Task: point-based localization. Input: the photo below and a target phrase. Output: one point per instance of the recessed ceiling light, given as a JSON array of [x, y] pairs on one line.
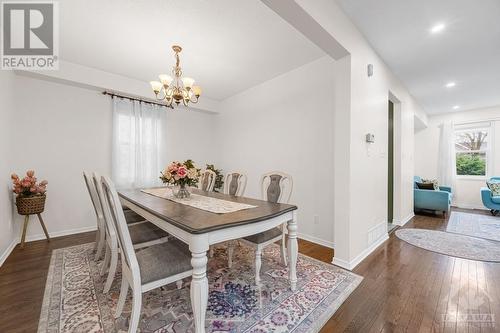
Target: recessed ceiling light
[[456, 107], [450, 84], [437, 28]]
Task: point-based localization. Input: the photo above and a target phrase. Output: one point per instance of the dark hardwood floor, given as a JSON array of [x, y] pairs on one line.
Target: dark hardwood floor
[[404, 288]]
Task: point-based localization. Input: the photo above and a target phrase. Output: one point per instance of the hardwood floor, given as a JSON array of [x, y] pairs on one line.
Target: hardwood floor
[[404, 288]]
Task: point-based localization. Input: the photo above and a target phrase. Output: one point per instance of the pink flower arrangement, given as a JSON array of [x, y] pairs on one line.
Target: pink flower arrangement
[[28, 185], [177, 173]]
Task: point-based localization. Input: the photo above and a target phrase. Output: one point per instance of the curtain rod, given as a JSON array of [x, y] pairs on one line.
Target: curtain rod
[[112, 94]]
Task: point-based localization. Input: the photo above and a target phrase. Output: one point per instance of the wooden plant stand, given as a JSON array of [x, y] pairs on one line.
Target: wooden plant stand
[[30, 206]]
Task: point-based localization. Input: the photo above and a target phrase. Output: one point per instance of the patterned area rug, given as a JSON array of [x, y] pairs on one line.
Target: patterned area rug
[[452, 244], [482, 226], [74, 301]]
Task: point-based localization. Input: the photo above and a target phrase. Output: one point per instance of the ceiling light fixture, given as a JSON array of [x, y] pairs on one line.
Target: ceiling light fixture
[[450, 84], [177, 89], [437, 28], [456, 107]]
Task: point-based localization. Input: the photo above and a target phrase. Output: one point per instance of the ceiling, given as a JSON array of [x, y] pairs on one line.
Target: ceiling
[[466, 51], [228, 46]]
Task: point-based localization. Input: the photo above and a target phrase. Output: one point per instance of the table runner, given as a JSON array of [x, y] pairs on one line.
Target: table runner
[[209, 204]]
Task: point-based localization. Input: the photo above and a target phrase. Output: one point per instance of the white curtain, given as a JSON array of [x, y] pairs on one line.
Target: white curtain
[[446, 160], [137, 132]]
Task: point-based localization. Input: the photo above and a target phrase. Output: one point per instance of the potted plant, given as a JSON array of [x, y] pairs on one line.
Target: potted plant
[[181, 175], [219, 177], [30, 195]]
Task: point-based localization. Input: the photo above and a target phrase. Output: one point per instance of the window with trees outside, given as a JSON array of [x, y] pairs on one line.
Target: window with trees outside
[[471, 148]]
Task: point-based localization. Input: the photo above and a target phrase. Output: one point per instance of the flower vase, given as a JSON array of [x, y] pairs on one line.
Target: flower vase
[[181, 192]]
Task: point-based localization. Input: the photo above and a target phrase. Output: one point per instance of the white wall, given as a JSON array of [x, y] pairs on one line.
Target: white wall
[[64, 130], [286, 124], [367, 207], [6, 116], [467, 193]]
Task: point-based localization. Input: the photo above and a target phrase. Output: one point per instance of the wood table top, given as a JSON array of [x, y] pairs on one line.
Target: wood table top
[[197, 221]]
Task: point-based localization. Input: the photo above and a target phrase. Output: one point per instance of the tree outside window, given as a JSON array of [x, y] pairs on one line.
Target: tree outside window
[[471, 148]]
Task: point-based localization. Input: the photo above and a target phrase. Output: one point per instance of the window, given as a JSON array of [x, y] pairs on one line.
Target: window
[[472, 150], [137, 138]]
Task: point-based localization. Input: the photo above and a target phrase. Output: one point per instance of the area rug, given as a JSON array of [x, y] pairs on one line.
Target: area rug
[[482, 226], [74, 301], [452, 244]]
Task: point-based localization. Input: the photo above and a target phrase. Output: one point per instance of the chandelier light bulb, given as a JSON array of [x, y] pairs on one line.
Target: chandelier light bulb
[[187, 82], [196, 91], [156, 86]]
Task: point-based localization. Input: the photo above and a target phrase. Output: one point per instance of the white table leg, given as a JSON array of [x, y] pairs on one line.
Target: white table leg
[[199, 284], [293, 251]]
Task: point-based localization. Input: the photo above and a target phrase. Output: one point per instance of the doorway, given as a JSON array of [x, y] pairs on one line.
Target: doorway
[[390, 168]]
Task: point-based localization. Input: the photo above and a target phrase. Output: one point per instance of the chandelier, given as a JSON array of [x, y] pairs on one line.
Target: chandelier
[[176, 89]]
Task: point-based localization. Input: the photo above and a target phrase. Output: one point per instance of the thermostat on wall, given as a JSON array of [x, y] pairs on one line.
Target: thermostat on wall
[[370, 138]]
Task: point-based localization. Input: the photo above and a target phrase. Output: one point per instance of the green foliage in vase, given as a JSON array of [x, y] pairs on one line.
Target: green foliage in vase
[[219, 177]]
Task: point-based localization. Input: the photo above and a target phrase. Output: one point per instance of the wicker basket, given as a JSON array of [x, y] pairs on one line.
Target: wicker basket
[[30, 205]]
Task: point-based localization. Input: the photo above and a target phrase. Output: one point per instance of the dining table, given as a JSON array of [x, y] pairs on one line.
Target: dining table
[[200, 229]]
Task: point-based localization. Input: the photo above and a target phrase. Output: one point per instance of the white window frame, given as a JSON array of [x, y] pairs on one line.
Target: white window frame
[[486, 151]]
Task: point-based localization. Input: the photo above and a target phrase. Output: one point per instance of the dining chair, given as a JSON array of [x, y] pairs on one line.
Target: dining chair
[[147, 269], [276, 187], [234, 184], [130, 216], [142, 235], [207, 180]]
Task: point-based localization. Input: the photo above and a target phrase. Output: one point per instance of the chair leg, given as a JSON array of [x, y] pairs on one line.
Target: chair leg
[[136, 311], [112, 270], [179, 284], [258, 264], [100, 245], [283, 250], [211, 251], [123, 297], [105, 263], [230, 251], [97, 237]]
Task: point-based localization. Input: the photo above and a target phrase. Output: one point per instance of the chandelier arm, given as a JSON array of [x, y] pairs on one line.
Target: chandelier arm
[[159, 96]]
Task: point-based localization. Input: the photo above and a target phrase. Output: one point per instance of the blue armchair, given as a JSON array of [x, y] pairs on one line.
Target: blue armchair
[[490, 201], [432, 200]]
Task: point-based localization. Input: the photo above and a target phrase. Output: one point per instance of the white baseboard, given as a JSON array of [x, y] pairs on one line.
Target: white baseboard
[[58, 234], [315, 240], [350, 265], [466, 206], [7, 251], [405, 220]]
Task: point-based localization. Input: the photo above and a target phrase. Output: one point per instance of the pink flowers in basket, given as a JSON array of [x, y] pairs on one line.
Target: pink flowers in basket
[[28, 185], [183, 174]]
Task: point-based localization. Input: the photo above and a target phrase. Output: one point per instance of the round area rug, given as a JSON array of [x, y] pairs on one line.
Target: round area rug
[[454, 245]]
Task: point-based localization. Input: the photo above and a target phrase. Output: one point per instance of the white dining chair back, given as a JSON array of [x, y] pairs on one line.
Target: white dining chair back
[[235, 184], [117, 218], [100, 234], [151, 268], [276, 187], [111, 240], [207, 180]]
